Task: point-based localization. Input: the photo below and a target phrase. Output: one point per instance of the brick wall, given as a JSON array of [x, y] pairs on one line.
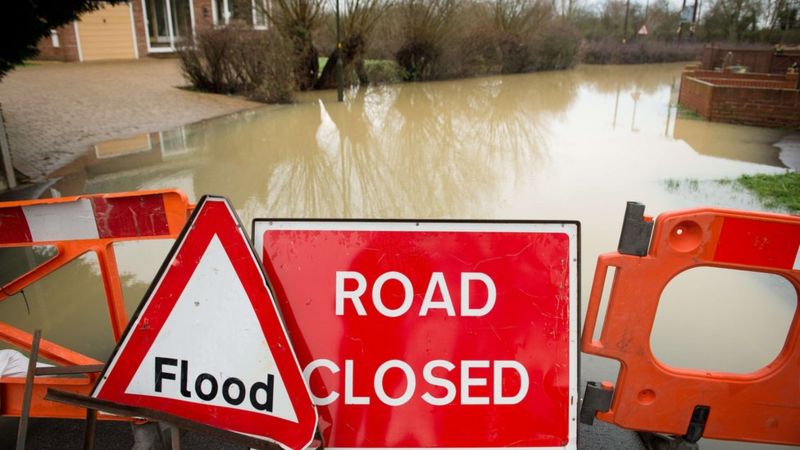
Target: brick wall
[[766, 102], [780, 63], [67, 49], [763, 60], [696, 95], [713, 74], [47, 51], [203, 15], [756, 106], [772, 84]]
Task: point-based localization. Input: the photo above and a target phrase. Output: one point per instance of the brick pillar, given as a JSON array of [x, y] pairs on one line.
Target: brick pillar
[[69, 42], [138, 26]]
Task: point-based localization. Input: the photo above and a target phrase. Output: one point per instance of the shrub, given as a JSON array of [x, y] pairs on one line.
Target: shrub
[[472, 48], [206, 64], [383, 71], [612, 52], [554, 48], [239, 60]]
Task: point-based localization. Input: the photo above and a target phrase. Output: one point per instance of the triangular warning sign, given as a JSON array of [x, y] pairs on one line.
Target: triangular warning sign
[[643, 31], [206, 343]]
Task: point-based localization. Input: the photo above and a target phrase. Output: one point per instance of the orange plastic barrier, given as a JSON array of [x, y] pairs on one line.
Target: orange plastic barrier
[[74, 226], [763, 406]]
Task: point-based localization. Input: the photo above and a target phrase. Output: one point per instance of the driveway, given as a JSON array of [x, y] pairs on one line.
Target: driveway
[[55, 111]]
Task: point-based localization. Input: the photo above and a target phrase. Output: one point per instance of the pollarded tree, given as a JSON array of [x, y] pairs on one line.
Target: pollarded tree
[[424, 25], [24, 22], [297, 20], [358, 22]]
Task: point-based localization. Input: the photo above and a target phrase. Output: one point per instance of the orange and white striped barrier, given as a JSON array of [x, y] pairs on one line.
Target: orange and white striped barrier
[[75, 226]]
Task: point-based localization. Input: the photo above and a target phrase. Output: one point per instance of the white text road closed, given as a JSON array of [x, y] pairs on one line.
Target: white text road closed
[[432, 334], [207, 344]]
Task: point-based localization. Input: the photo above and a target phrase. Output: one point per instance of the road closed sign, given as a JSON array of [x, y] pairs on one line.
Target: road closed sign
[[432, 334], [207, 343]]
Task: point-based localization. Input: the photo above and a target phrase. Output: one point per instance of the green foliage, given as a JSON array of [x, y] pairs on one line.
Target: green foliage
[[775, 191], [24, 22]]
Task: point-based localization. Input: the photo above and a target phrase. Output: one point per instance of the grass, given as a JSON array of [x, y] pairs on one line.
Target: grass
[[781, 191], [673, 184], [686, 113], [370, 62], [378, 70], [775, 191]]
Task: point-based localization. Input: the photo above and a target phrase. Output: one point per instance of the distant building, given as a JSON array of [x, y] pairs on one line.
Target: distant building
[[144, 27]]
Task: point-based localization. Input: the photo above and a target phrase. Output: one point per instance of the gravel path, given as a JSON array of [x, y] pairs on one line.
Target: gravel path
[[55, 111]]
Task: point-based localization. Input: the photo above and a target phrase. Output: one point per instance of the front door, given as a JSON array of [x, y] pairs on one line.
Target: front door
[[169, 23]]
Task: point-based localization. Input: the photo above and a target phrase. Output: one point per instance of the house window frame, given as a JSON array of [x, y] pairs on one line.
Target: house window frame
[[54, 40], [227, 15], [172, 47]]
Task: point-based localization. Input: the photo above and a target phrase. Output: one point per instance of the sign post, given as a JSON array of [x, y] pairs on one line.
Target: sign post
[[432, 334], [207, 344]]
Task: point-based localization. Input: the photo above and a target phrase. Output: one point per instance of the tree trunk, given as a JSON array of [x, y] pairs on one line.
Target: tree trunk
[[327, 79], [307, 59], [352, 60]]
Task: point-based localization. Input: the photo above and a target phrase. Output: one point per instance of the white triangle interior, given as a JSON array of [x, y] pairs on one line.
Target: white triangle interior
[[214, 328]]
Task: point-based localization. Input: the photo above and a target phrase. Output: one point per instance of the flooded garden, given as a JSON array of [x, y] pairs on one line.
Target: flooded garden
[[565, 145]]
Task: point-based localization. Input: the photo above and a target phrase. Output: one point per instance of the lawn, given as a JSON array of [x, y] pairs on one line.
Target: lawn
[[775, 191]]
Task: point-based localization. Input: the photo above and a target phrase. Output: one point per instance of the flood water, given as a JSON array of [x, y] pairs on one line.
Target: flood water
[[562, 145]]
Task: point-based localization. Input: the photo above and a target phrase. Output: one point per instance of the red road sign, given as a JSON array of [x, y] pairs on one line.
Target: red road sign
[[206, 343], [432, 334]]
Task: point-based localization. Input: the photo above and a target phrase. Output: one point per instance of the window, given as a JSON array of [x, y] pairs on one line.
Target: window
[[54, 39], [252, 12], [260, 13]]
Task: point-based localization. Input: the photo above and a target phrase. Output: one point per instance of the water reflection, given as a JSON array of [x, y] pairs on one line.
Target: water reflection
[[727, 141]]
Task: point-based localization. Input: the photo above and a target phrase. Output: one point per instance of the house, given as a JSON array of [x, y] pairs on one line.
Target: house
[[144, 27]]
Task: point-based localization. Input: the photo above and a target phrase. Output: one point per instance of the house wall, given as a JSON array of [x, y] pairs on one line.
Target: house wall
[[66, 51], [138, 25], [203, 15]]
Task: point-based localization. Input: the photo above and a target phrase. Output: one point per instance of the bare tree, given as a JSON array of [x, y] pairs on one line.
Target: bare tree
[[520, 17], [359, 21], [296, 20], [425, 25]]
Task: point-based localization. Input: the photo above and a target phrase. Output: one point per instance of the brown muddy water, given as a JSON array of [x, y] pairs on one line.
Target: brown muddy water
[[573, 145]]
